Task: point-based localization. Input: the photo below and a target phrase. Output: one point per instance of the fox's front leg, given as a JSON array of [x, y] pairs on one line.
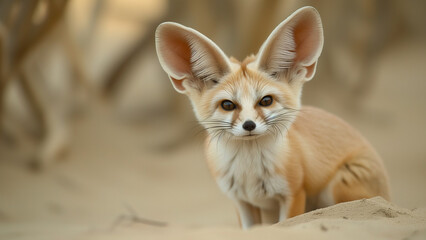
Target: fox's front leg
[[248, 214], [293, 205]]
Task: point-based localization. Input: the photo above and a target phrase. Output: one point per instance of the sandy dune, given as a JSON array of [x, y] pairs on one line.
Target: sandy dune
[[363, 219]]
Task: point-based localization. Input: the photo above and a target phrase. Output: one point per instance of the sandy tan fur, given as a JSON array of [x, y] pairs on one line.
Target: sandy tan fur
[[329, 150], [295, 158], [323, 150]]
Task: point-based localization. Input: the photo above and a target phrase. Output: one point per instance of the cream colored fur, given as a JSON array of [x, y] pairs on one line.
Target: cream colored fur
[[295, 158]]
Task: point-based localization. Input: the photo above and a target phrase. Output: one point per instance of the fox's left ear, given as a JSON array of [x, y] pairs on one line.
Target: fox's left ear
[[293, 48], [189, 58]]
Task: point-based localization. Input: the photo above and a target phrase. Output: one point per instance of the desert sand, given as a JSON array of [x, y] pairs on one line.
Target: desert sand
[[362, 219]]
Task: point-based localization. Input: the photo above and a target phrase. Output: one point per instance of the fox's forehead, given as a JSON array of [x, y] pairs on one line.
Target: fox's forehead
[[245, 85]]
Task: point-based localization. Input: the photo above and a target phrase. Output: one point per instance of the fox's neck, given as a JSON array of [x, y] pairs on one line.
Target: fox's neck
[[266, 148]]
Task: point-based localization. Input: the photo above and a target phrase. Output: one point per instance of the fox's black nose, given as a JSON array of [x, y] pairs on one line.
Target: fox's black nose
[[249, 125]]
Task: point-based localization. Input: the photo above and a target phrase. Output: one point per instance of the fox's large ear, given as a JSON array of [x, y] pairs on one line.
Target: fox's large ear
[[189, 58], [293, 48]]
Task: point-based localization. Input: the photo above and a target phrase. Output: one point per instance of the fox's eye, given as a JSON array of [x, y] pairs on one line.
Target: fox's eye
[[265, 101], [228, 105]]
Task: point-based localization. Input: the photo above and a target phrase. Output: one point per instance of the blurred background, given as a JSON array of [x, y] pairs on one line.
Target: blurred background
[[93, 134]]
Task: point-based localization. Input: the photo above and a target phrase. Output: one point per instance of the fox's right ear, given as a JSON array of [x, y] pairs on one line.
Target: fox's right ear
[[294, 46], [189, 58]]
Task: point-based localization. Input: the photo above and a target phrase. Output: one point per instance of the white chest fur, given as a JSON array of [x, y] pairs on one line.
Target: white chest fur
[[247, 171]]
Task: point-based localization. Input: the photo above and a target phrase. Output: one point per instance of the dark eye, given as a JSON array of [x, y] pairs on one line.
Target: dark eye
[[265, 101], [228, 105]]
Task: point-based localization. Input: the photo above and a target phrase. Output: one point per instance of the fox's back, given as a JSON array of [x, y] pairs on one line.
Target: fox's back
[[324, 131]]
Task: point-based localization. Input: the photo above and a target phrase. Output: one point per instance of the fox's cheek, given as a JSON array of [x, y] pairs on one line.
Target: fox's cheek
[[223, 116], [270, 111]]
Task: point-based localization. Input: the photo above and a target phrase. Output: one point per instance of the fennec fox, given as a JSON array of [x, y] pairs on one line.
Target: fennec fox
[[274, 158]]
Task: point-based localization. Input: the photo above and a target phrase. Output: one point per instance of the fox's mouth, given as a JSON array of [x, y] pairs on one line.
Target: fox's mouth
[[249, 136]]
